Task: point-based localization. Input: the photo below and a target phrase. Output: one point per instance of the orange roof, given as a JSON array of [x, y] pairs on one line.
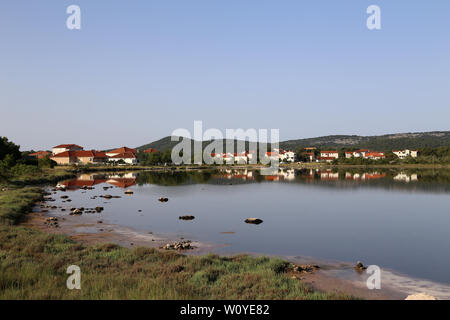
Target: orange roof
[[68, 146], [150, 150], [271, 153], [125, 155], [122, 150], [375, 154], [80, 154], [39, 154], [329, 152]]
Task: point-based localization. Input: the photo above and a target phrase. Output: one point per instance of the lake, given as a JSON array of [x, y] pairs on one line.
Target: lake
[[398, 220]]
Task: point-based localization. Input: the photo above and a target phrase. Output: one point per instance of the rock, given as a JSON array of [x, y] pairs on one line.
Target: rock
[[99, 221], [305, 268], [77, 212], [182, 245], [129, 191], [420, 296], [63, 209], [68, 200], [107, 196], [253, 221], [163, 199], [186, 218], [359, 266], [99, 209], [64, 197]]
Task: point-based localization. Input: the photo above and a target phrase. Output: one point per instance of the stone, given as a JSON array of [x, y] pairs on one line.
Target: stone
[[64, 197], [359, 266], [129, 191], [99, 209], [186, 218], [162, 199], [107, 196], [253, 221]]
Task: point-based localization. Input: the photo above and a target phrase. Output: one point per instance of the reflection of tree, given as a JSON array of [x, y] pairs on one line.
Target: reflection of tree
[[169, 178]]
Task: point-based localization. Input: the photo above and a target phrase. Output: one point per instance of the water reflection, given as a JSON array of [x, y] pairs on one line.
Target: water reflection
[[435, 180]]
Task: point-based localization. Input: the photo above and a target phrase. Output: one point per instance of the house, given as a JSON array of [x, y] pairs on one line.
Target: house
[[356, 154], [150, 150], [66, 147], [272, 156], [228, 158], [240, 158], [39, 154], [121, 150], [79, 157], [288, 155], [310, 155], [126, 157], [402, 154], [329, 154], [375, 155]]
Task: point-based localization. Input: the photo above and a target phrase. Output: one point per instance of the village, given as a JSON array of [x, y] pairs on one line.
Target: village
[[68, 154]]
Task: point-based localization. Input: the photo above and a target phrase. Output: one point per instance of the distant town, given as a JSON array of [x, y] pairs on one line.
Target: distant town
[[68, 154]]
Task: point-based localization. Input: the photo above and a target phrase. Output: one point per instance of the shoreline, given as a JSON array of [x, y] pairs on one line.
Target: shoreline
[[333, 276]]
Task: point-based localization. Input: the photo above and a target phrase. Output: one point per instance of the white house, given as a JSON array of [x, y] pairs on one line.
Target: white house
[[288, 155], [356, 154], [329, 154], [66, 147], [126, 157], [241, 158], [402, 154]]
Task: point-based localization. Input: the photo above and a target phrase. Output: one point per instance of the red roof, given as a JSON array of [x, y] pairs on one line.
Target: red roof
[[271, 153], [329, 152], [68, 146], [39, 154], [123, 150], [80, 154], [125, 155], [375, 154], [150, 150]]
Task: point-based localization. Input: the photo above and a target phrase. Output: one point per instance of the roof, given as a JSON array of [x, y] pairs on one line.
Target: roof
[[122, 150], [375, 154], [125, 155], [39, 154], [80, 154], [150, 150], [329, 151], [68, 146]]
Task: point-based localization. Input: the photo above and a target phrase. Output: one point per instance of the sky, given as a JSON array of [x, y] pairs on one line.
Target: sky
[[138, 70]]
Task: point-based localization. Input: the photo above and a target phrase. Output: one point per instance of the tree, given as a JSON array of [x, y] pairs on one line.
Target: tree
[[9, 148]]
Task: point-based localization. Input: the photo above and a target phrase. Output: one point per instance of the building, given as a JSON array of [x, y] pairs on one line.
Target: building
[[241, 158], [121, 150], [287, 155], [79, 157], [125, 157], [66, 147], [39, 154], [375, 155], [329, 154], [357, 153], [150, 150], [402, 154], [310, 156]]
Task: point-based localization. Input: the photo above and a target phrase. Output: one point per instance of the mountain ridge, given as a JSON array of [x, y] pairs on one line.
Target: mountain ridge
[[410, 140]]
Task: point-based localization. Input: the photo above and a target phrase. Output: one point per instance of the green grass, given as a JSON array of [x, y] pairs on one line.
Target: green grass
[[16, 202], [33, 266]]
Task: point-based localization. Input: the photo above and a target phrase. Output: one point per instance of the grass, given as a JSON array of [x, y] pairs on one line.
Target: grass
[[33, 265]]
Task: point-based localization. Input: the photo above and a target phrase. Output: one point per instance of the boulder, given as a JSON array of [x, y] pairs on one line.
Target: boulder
[[129, 191], [99, 209], [359, 266], [162, 199], [186, 217], [253, 221]]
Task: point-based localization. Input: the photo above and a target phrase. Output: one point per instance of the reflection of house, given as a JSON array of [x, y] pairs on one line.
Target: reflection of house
[[122, 182], [329, 175], [406, 177], [79, 157], [402, 154], [288, 174], [66, 147], [126, 157], [39, 154]]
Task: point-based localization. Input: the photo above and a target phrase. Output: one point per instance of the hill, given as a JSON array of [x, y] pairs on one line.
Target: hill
[[415, 140]]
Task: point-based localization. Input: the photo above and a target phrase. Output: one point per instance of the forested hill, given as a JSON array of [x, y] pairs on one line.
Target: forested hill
[[416, 140], [385, 142]]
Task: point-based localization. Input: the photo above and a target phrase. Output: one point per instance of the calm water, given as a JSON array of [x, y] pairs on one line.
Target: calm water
[[397, 220]]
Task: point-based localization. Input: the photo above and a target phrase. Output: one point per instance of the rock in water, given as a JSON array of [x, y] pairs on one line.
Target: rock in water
[[186, 218], [253, 221], [163, 199], [129, 191], [359, 266]]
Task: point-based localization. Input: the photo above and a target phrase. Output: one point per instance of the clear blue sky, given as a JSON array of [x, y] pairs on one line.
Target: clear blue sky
[[137, 70]]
